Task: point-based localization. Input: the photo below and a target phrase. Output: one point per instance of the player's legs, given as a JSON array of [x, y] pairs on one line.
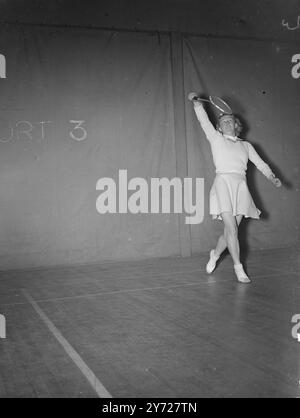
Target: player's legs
[[221, 246], [231, 237], [222, 243]]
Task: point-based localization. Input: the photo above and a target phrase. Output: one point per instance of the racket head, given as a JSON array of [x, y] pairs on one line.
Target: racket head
[[221, 105]]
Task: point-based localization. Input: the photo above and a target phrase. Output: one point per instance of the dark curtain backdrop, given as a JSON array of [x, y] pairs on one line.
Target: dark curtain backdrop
[[121, 85]]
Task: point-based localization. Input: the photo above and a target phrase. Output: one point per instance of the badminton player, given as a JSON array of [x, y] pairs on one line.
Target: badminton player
[[230, 199]]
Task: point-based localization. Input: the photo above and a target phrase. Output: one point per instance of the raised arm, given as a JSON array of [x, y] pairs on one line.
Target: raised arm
[[205, 123], [261, 165]]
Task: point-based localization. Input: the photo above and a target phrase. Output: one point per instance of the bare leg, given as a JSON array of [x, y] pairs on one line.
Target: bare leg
[[222, 243], [231, 236], [229, 239]]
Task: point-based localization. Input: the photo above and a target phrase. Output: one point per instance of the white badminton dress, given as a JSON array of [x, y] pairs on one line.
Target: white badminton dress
[[229, 192]]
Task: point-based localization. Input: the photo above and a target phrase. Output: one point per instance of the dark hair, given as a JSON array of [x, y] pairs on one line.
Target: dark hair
[[237, 123]]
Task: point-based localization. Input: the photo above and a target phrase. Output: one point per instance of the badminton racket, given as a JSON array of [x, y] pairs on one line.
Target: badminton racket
[[216, 101]]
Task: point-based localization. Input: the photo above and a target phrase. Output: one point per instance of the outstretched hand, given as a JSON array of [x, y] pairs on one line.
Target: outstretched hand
[[275, 181], [192, 96]]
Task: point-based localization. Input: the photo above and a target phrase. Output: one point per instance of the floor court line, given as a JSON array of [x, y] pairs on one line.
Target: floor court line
[[198, 270], [89, 295], [139, 276], [282, 270], [79, 362]]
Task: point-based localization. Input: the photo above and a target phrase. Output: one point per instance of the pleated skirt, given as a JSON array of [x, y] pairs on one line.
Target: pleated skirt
[[230, 193]]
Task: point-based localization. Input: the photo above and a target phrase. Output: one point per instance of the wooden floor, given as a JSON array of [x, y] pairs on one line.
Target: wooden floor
[[156, 328]]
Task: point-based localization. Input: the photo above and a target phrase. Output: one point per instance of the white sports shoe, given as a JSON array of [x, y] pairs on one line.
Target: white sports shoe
[[211, 265], [240, 274]]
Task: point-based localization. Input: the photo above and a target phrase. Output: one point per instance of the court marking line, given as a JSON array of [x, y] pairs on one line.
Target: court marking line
[[226, 268], [282, 270], [90, 275], [89, 295], [72, 353]]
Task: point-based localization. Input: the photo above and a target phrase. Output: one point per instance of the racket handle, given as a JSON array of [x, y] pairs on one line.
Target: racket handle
[[192, 96]]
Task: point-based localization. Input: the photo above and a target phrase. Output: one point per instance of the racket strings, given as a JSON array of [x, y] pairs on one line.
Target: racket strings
[[220, 104]]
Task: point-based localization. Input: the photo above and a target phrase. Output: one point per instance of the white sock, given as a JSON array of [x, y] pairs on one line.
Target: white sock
[[240, 273]]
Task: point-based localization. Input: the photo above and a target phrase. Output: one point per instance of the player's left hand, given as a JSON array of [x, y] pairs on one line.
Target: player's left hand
[[277, 182]]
